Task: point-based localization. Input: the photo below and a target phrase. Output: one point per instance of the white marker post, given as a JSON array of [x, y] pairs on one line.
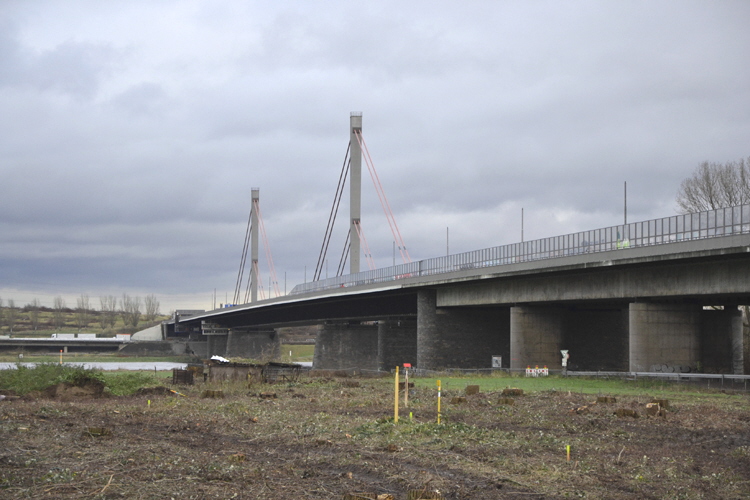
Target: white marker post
[[565, 357], [406, 384]]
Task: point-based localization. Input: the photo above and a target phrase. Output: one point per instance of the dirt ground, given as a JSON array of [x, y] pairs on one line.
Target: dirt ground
[[324, 438]]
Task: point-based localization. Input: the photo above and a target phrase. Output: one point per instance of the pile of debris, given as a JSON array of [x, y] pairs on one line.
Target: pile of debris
[[221, 369]]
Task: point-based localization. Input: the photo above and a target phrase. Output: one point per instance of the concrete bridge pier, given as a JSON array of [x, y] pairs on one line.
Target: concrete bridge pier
[[536, 337], [216, 345], [664, 337], [397, 343], [341, 346], [459, 337], [261, 345]]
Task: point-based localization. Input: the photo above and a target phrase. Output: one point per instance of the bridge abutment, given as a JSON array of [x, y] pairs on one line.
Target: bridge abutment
[[397, 343], [462, 337], [341, 346]]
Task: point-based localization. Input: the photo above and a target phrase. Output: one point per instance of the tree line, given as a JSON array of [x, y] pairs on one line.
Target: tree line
[[130, 309]]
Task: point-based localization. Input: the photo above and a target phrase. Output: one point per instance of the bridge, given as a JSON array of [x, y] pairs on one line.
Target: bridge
[[653, 295], [657, 295]]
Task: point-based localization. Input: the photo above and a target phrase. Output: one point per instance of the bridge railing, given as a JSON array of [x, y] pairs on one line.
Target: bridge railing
[[710, 224]]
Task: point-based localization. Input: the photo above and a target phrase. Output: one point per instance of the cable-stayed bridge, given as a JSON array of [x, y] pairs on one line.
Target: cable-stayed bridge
[[657, 295]]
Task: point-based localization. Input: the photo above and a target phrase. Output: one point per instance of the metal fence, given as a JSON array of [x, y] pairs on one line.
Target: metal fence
[[701, 225]]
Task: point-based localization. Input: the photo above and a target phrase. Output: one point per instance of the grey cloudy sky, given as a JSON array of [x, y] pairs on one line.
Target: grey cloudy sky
[[132, 132]]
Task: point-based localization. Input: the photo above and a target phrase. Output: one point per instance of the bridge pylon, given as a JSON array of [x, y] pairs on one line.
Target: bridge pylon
[[355, 189], [255, 193]]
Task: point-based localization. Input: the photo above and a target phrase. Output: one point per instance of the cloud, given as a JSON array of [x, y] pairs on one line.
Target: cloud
[[131, 133], [71, 68], [145, 98]]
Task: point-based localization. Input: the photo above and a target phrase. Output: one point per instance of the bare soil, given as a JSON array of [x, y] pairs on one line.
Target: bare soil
[[324, 438]]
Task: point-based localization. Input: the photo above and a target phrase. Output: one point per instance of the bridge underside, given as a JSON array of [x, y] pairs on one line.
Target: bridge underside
[[660, 314], [637, 336]]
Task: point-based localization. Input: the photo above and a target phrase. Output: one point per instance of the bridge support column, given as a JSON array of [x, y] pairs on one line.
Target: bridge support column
[[465, 337], [198, 349], [341, 346], [397, 343], [536, 336], [664, 337], [261, 345], [721, 341], [217, 345]]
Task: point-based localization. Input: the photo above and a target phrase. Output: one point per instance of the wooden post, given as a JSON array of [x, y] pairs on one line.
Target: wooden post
[[438, 413], [406, 384]]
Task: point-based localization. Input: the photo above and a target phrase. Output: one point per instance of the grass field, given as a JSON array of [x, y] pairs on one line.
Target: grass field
[[581, 385], [298, 352]]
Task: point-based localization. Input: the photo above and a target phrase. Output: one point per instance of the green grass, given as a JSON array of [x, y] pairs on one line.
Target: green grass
[[23, 379], [126, 383], [583, 385], [299, 352]]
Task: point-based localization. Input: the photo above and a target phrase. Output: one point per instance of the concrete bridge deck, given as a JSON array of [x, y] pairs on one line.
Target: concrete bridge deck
[[526, 312]]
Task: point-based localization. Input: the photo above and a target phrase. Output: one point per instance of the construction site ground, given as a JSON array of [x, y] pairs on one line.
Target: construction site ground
[[328, 437]]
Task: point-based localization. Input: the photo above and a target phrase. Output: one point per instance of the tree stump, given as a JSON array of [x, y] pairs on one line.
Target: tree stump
[[472, 389]]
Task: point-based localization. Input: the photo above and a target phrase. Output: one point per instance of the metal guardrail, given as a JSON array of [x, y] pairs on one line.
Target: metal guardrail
[[670, 376], [701, 225]]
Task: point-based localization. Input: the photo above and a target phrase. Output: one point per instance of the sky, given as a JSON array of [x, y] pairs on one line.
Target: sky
[[132, 133]]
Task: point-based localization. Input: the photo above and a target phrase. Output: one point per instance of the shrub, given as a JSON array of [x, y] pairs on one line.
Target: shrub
[[24, 379]]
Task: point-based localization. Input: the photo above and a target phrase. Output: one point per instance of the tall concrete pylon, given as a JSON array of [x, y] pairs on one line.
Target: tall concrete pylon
[[255, 194], [355, 189]]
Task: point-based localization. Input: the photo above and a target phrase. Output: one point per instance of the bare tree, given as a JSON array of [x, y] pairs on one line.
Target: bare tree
[[108, 316], [34, 313], [152, 308], [124, 305], [58, 312], [83, 312], [11, 315], [135, 312], [131, 310], [715, 185], [719, 185]]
